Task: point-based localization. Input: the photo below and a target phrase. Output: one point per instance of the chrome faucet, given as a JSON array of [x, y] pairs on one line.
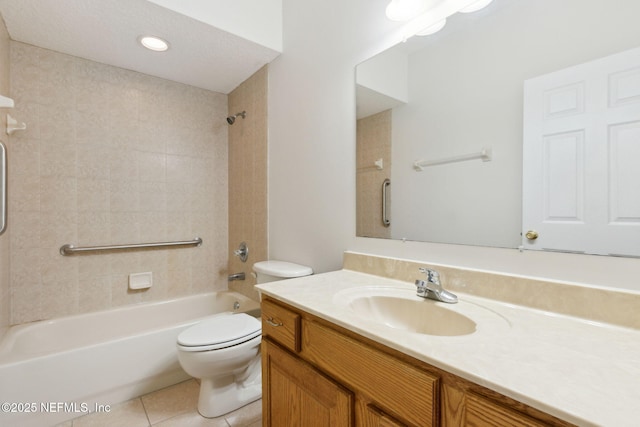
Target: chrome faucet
[[236, 276], [432, 289]]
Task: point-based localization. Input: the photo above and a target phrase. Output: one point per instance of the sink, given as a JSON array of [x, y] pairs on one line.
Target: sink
[[401, 309]]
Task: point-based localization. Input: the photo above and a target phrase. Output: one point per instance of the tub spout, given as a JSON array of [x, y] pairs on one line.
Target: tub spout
[[236, 276]]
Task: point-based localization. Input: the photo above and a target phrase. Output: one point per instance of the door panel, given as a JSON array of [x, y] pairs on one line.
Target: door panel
[[581, 180]]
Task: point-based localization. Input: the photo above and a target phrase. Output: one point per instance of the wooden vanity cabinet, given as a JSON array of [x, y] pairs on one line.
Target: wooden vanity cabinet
[[296, 394], [316, 373]]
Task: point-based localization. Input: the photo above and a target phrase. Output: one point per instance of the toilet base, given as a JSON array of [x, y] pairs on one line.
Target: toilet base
[[219, 396]]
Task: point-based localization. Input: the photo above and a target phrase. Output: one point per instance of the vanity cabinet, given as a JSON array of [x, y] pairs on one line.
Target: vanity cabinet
[[317, 373]]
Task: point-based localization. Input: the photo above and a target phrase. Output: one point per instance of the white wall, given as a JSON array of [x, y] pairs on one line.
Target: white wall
[[312, 154], [387, 73], [312, 127], [256, 20]]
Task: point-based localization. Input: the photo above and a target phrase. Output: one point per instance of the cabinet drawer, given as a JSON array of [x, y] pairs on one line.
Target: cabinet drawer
[[482, 412], [398, 388], [281, 324]]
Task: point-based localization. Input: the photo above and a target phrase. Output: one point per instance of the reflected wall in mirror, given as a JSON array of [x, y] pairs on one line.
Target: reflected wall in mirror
[[459, 91]]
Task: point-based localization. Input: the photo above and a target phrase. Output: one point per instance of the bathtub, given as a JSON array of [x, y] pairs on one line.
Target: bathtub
[[55, 370]]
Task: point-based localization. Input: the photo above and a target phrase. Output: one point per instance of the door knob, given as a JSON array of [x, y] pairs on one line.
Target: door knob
[[531, 235]]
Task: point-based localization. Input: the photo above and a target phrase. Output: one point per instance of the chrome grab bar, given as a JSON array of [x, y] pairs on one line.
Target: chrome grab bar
[[386, 184], [3, 188], [70, 249]]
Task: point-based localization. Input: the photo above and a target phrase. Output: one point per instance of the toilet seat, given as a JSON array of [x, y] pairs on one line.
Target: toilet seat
[[219, 332]]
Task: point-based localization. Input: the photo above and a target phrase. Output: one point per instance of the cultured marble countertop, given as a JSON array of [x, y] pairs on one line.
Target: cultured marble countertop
[[583, 372]]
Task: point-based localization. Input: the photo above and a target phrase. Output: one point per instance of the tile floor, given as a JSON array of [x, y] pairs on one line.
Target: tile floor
[[173, 406]]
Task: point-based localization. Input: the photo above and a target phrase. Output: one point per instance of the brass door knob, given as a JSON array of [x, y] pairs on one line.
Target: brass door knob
[[531, 235]]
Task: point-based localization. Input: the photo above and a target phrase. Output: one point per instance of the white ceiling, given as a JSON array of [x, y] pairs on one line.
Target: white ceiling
[[106, 31]]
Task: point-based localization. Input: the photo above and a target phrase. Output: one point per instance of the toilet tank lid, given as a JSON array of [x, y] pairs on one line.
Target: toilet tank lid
[[282, 269]]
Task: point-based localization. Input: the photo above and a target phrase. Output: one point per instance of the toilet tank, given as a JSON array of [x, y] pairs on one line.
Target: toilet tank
[[269, 271]]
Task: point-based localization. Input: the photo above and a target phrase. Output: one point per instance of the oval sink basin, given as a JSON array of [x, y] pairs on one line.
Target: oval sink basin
[[415, 315]]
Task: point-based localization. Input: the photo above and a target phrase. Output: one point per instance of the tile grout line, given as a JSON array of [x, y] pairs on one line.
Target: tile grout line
[[146, 413]]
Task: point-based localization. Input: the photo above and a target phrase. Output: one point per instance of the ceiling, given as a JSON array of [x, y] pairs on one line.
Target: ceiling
[[106, 31]]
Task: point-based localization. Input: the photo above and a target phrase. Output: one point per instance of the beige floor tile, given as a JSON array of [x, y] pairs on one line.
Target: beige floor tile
[[171, 401], [256, 424], [246, 415], [192, 419], [130, 414]]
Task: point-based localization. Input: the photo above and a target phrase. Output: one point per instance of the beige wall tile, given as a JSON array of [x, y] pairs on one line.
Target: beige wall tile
[[248, 178], [373, 142], [109, 156]]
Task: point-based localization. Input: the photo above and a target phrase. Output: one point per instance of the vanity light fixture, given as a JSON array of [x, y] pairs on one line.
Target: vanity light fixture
[[154, 43], [474, 7], [433, 14], [404, 10], [432, 29]]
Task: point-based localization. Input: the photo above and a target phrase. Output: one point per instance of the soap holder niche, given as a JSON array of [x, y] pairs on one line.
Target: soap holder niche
[[14, 125]]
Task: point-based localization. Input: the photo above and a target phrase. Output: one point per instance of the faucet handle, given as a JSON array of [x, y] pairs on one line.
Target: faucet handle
[[431, 287], [432, 275]]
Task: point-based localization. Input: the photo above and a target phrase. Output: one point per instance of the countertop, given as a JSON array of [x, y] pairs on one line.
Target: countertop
[[583, 372]]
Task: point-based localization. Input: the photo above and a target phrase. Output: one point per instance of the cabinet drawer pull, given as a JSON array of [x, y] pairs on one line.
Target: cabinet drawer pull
[[273, 323]]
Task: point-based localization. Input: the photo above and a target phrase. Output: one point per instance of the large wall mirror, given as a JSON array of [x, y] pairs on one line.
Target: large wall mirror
[[456, 100]]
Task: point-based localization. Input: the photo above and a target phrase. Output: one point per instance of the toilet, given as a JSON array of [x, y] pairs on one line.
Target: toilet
[[223, 350]]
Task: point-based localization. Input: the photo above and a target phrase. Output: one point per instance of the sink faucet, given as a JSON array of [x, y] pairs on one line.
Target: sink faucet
[[431, 288]]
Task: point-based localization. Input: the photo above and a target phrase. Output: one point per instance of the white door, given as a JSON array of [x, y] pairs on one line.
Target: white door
[[581, 167]]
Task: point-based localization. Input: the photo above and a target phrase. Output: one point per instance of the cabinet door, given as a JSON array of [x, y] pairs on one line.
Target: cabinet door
[[295, 394], [396, 387], [374, 417]]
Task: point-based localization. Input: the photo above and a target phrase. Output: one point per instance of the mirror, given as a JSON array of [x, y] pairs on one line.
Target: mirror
[[459, 92]]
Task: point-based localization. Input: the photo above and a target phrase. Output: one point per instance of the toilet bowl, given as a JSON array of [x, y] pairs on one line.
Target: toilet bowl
[[223, 351]]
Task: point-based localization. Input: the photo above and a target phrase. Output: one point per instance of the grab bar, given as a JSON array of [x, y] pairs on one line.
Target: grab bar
[[3, 188], [70, 249], [386, 184]]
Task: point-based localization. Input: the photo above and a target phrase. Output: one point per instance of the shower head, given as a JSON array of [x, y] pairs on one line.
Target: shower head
[[231, 119]]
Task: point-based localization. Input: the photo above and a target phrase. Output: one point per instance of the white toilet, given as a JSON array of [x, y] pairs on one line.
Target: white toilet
[[224, 350]]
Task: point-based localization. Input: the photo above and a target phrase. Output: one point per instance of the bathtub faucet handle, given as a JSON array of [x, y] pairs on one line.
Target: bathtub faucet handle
[[242, 252]]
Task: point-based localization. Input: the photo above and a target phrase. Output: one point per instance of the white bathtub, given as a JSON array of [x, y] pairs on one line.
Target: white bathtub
[[59, 369]]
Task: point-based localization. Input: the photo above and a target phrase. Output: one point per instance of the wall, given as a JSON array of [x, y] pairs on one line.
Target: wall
[[4, 238], [312, 127], [312, 154], [248, 178], [111, 156]]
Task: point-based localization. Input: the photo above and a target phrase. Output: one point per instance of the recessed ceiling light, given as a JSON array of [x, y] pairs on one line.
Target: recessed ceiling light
[[153, 43]]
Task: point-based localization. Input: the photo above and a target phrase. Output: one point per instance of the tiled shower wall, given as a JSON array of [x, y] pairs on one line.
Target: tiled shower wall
[[111, 156], [4, 238], [373, 142], [248, 177]]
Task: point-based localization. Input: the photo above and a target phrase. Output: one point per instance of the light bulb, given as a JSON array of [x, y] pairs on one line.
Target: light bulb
[[153, 43], [431, 29], [475, 6], [404, 10]]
